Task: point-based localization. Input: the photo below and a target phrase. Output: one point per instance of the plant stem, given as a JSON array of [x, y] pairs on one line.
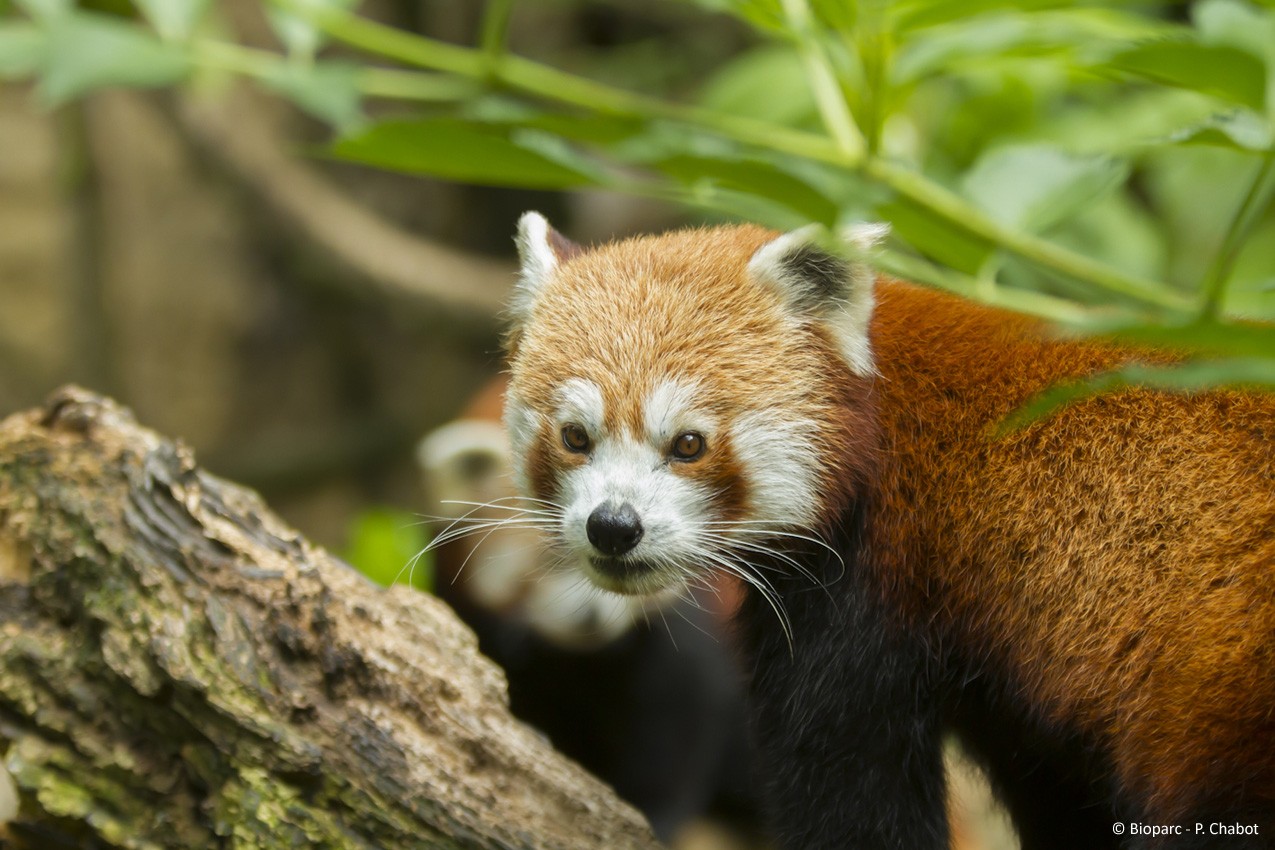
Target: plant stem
[[946, 204], [873, 43], [410, 85], [541, 80], [372, 82], [823, 82], [1026, 301], [495, 33], [1236, 234]]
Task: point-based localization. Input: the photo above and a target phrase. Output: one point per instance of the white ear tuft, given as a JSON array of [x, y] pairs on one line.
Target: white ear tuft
[[540, 250], [865, 235], [536, 258], [818, 283], [534, 251]]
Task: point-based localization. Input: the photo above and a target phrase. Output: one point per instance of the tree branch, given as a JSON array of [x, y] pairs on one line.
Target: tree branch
[[179, 669]]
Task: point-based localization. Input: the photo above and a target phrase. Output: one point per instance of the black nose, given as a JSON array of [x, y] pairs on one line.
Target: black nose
[[614, 531]]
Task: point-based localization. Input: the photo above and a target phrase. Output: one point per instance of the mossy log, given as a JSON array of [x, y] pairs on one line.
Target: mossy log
[[180, 669]]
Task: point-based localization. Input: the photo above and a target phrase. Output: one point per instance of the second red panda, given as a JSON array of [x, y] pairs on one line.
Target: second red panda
[[1089, 603]]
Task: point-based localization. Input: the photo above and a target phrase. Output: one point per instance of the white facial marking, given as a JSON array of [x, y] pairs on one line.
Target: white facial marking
[[580, 403], [671, 410], [623, 470], [781, 462]]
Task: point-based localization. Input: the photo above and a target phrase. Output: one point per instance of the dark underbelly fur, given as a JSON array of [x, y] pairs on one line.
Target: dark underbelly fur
[[848, 724]]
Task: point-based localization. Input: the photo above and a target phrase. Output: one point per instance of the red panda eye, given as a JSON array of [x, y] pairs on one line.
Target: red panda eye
[[688, 446], [575, 438]]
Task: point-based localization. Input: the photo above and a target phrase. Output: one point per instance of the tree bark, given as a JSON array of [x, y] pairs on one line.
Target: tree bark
[[180, 669]]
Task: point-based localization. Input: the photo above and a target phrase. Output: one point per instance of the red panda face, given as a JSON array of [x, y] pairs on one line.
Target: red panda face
[[679, 402]]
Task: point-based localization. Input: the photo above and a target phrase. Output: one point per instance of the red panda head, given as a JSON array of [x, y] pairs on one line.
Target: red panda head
[[679, 402]]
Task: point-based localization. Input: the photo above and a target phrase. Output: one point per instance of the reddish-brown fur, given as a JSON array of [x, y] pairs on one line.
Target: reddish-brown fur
[[1116, 560]]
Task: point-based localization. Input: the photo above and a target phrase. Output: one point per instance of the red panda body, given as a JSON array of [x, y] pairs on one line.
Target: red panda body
[[1112, 567], [1089, 603]]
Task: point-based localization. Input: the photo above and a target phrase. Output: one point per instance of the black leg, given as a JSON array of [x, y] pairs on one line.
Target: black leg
[[845, 722]]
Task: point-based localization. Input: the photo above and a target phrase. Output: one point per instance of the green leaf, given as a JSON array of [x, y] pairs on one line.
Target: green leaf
[[765, 15], [88, 51], [717, 202], [1213, 338], [837, 15], [919, 14], [591, 128], [1064, 35], [301, 39], [767, 83], [1240, 130], [46, 9], [327, 90], [1219, 70], [1238, 24], [936, 237], [708, 165], [388, 547], [750, 176], [174, 20], [1033, 187], [1194, 376], [453, 149], [22, 48]]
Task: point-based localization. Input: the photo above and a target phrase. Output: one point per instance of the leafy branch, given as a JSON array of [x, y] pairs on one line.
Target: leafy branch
[[1017, 222]]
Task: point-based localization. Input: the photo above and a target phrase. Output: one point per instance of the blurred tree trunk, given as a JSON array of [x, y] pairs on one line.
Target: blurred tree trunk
[[179, 669]]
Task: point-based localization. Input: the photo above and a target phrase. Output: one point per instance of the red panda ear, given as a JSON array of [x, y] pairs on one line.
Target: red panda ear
[[540, 250], [809, 270]]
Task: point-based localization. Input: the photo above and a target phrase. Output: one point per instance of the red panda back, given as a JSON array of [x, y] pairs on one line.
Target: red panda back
[[1115, 561]]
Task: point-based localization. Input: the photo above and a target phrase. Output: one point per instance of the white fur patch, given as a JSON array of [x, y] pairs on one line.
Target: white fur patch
[[767, 263], [623, 470], [866, 235], [781, 463], [852, 324], [442, 454], [670, 409], [537, 258], [580, 402]]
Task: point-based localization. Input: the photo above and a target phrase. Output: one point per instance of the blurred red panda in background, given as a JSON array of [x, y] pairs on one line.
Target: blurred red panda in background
[[643, 693]]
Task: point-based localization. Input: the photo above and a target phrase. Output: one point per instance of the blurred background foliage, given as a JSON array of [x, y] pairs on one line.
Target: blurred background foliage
[[1108, 166], [281, 229]]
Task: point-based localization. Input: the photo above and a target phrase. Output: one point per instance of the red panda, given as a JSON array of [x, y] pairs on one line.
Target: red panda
[[1089, 603], [642, 692]]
